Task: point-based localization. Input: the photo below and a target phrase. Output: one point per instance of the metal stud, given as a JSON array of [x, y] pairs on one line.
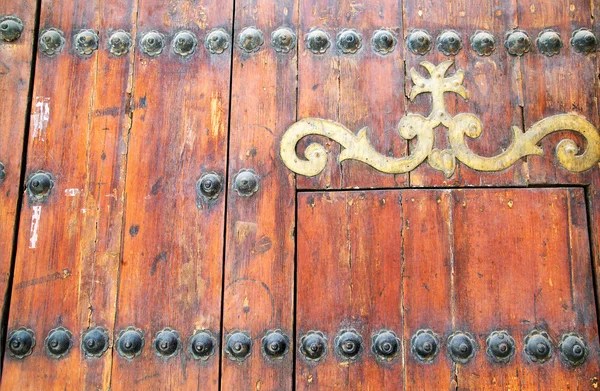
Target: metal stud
[[52, 41], [217, 41], [584, 41], [348, 41], [58, 342], [119, 43], [250, 39], [549, 43], [167, 343], [11, 28], [86, 42], [95, 342], [21, 342], [348, 345], [538, 346], [313, 346], [39, 186], [425, 345], [449, 43], [383, 41], [283, 40], [517, 43], [153, 43], [130, 342], [573, 349], [185, 43], [2, 173], [419, 42], [238, 346], [483, 42], [500, 346], [209, 186], [202, 345], [275, 345], [317, 41], [245, 182], [385, 345], [461, 347]]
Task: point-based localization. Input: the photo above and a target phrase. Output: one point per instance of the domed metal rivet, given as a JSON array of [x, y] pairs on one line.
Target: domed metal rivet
[[461, 347], [383, 41], [217, 41], [385, 345], [167, 343], [573, 349], [152, 43], [2, 173], [275, 345], [52, 41], [11, 28], [20, 342], [250, 39], [119, 43], [483, 43], [500, 346], [202, 345], [517, 43], [348, 345], [584, 41], [538, 346], [238, 346], [419, 42], [245, 182], [425, 345], [130, 342], [185, 43], [86, 41], [283, 40], [39, 185], [348, 41], [449, 43], [317, 41], [209, 186], [95, 342], [313, 346], [58, 342], [549, 42]]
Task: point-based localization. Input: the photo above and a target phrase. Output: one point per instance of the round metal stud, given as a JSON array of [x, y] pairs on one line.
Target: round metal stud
[[449, 43], [209, 186], [483, 43], [419, 42], [167, 343], [549, 42], [385, 345], [425, 345], [153, 43], [21, 342], [245, 182], [130, 342], [251, 39], [313, 346], [39, 185], [348, 41], [95, 342], [283, 40], [461, 347], [275, 345], [573, 349], [119, 43], [500, 346], [2, 173], [11, 28], [584, 41], [202, 345], [185, 43], [383, 41], [517, 43], [86, 41], [538, 346], [348, 345], [217, 41], [317, 41], [52, 41], [58, 342], [238, 346]]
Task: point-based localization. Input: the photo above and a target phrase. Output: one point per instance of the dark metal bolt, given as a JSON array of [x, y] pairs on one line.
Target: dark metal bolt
[[549, 43], [538, 346], [238, 346], [59, 342], [383, 41], [86, 42], [317, 41], [313, 346], [348, 344], [217, 41], [52, 42], [2, 173], [130, 342], [425, 345], [209, 186], [419, 42], [185, 43], [246, 182], [483, 43], [283, 40], [461, 347], [584, 41], [251, 39], [202, 345], [21, 342], [11, 28], [517, 43], [349, 41], [39, 185], [152, 43], [573, 349], [449, 43], [120, 43], [167, 343], [275, 344]]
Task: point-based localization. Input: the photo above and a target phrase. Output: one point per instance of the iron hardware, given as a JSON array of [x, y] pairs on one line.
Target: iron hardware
[[246, 182], [483, 42], [573, 349], [317, 41], [202, 345], [119, 43], [130, 342], [425, 345], [153, 43], [238, 346], [58, 342], [419, 42], [209, 186], [21, 342], [348, 345], [461, 347], [313, 346], [11, 28], [538, 346], [449, 43], [185, 43], [584, 41], [517, 43], [385, 345], [2, 173], [39, 186], [549, 42], [500, 346], [217, 41], [383, 41], [283, 40], [95, 342], [275, 345], [86, 42], [52, 41], [251, 39], [348, 41], [167, 343]]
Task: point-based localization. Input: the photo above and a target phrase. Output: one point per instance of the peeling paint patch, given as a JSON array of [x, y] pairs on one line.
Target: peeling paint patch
[[72, 192], [40, 118], [35, 224]]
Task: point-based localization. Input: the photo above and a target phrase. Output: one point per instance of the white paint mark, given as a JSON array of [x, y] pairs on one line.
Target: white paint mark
[[35, 224], [83, 211], [72, 192], [40, 117]]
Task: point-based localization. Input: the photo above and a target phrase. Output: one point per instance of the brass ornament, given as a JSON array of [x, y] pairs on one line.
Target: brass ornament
[[463, 125]]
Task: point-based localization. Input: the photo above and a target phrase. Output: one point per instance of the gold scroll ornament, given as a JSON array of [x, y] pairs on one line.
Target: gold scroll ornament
[[358, 147]]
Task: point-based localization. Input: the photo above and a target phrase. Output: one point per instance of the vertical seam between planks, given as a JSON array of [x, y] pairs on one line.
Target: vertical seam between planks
[[593, 243], [402, 293], [295, 227]]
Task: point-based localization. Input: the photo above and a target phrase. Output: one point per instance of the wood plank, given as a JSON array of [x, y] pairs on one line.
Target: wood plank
[[259, 261], [171, 270]]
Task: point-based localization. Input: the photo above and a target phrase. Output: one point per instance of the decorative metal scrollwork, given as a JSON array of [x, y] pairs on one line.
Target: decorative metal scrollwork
[[411, 126]]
